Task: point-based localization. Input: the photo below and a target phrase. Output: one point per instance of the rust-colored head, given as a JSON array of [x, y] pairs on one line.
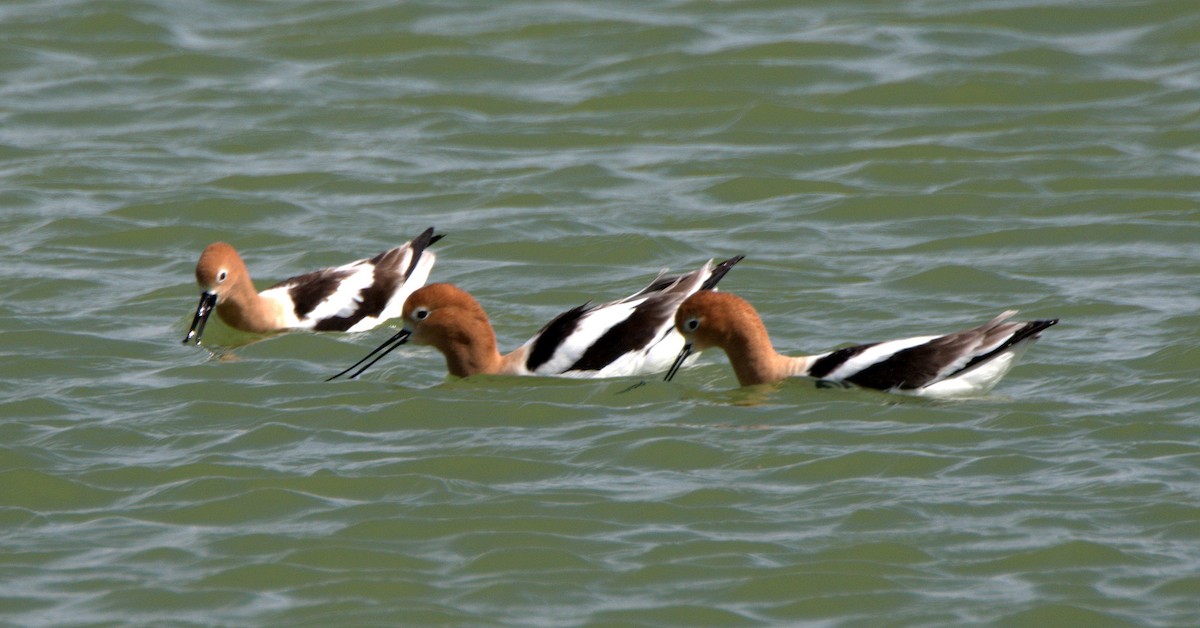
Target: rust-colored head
[[717, 319], [219, 268], [448, 318], [724, 320], [218, 273]]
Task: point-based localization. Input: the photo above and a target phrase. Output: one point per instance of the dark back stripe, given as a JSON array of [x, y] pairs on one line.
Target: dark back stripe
[[338, 323], [553, 335], [907, 369], [632, 334], [309, 290], [641, 328], [374, 298], [920, 366], [830, 363]]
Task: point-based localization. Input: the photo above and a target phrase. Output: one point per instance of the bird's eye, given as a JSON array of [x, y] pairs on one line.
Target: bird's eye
[[221, 276], [420, 313], [692, 324]]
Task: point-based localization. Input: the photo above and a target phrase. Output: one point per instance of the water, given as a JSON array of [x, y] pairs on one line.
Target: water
[[888, 168]]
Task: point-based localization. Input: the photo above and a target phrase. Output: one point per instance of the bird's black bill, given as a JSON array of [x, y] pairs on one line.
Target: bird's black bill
[[400, 338], [208, 301], [683, 355]]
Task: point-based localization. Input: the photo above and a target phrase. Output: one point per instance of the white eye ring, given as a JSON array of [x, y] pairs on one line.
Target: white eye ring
[[692, 324], [221, 276], [420, 314]]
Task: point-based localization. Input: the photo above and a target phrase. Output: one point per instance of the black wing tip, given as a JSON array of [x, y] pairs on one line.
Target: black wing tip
[[1033, 328], [426, 238], [718, 273], [1030, 331], [419, 244]]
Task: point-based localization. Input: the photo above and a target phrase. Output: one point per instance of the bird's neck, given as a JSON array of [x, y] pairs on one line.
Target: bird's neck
[[243, 308], [755, 360]]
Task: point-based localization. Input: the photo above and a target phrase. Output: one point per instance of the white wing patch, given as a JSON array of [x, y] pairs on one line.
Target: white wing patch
[[395, 305], [588, 329], [341, 302], [875, 355], [656, 355], [347, 298]]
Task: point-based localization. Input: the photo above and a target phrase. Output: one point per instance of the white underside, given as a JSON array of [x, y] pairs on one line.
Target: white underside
[[975, 382]]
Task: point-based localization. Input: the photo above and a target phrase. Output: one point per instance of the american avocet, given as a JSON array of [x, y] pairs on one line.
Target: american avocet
[[961, 363], [353, 297], [627, 337]]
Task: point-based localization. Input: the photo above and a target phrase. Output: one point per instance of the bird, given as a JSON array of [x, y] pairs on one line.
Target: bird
[[968, 362], [353, 297], [631, 336]]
